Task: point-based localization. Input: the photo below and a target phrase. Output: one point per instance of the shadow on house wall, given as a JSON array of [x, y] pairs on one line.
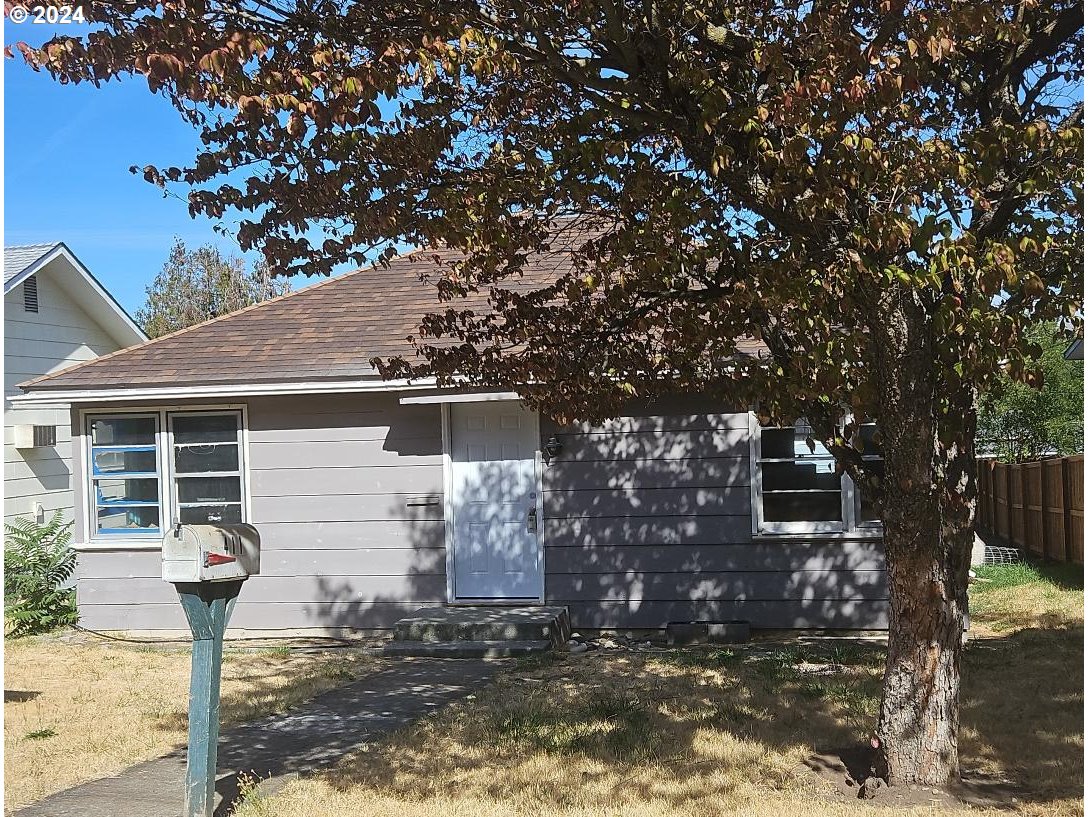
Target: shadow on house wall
[[647, 521]]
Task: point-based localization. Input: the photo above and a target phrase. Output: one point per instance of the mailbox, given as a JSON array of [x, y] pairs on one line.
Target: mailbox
[[207, 565], [211, 553]]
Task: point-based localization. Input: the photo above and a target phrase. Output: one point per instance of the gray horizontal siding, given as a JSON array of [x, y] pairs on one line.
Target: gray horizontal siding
[[697, 560], [408, 587], [118, 564], [707, 472], [40, 468], [346, 454], [353, 534], [355, 426], [653, 445], [760, 585], [131, 592], [346, 491], [285, 482], [167, 615], [677, 412], [663, 529], [648, 521], [324, 615], [733, 500], [376, 562], [346, 508], [656, 423]]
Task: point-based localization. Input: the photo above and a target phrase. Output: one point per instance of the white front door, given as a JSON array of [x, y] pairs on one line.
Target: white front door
[[493, 497]]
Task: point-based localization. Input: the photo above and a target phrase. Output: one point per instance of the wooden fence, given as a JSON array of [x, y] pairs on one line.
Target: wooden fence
[[1038, 506]]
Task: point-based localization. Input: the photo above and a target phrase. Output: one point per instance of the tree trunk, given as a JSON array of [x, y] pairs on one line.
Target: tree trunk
[[928, 514], [920, 702]]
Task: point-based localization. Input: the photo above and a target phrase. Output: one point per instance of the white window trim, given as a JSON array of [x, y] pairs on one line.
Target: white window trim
[[850, 499], [873, 525], [89, 499], [164, 460], [175, 502]]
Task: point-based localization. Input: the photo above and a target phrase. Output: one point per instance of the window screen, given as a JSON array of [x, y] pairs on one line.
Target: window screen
[[125, 475], [207, 460], [799, 483]]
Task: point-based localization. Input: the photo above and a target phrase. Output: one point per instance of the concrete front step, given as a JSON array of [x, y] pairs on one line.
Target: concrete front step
[[485, 624], [464, 649]]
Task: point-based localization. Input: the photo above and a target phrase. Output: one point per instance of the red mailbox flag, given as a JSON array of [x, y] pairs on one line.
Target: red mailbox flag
[[212, 559]]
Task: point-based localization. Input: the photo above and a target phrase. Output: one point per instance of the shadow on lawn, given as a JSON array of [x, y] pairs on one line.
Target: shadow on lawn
[[1022, 709], [20, 696], [1064, 576], [682, 726], [267, 693]]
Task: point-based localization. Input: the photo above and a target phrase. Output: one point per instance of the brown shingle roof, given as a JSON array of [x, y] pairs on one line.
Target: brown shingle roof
[[328, 331]]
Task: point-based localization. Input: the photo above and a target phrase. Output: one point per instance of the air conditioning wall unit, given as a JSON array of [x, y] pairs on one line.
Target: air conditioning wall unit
[[31, 436]]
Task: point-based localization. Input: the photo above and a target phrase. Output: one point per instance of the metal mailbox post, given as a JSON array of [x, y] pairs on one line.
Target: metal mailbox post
[[207, 564]]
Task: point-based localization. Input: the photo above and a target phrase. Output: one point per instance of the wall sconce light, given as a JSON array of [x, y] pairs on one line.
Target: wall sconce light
[[553, 447]]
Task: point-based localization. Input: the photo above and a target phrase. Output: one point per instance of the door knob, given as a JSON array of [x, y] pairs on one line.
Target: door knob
[[531, 520]]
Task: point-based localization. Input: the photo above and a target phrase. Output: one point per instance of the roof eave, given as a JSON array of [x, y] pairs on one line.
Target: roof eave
[[45, 398]]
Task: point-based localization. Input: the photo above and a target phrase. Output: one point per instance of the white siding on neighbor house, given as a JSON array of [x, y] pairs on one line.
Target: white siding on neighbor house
[[59, 335]]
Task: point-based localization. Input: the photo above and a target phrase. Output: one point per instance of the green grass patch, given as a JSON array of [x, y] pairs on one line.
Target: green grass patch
[[606, 724], [1026, 594], [1063, 576], [700, 658]]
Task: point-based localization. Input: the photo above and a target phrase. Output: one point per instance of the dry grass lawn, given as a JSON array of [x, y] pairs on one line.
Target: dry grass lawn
[[76, 712], [697, 732], [1017, 597], [722, 732]]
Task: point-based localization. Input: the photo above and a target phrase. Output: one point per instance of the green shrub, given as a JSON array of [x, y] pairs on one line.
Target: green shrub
[[37, 565]]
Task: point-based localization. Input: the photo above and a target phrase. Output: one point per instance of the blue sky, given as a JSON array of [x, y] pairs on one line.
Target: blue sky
[[67, 151]]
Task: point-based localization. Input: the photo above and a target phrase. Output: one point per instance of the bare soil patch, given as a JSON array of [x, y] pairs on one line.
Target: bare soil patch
[[845, 771]]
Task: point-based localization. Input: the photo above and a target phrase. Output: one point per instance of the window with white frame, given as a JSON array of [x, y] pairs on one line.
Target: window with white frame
[[148, 470], [796, 488], [866, 515], [126, 496], [207, 467]]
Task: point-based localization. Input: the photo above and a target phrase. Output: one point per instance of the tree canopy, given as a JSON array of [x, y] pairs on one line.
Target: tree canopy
[[886, 193], [771, 168], [1018, 422], [197, 285]]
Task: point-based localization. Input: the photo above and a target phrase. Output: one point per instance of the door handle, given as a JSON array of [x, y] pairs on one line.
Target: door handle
[[531, 520]]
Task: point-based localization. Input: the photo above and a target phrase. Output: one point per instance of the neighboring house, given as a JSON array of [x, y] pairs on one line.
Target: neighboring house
[[55, 315], [374, 498]]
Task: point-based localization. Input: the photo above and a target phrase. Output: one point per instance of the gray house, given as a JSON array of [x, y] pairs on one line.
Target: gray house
[[375, 497]]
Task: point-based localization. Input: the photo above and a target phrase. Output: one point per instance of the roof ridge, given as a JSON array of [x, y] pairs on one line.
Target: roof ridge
[[332, 279]]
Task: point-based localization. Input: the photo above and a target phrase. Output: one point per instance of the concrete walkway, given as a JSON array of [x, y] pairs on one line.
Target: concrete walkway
[[311, 737]]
